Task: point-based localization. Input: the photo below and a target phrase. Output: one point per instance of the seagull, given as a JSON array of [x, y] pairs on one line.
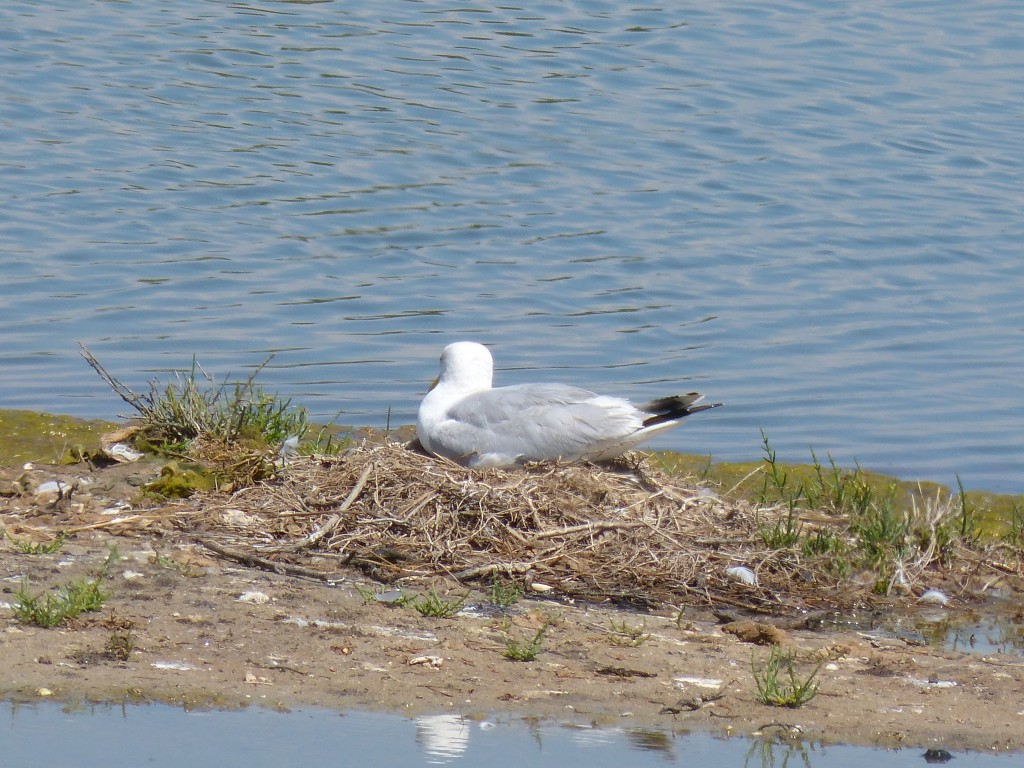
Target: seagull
[[465, 419]]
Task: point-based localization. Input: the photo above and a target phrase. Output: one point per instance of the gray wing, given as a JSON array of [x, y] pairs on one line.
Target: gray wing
[[532, 422]]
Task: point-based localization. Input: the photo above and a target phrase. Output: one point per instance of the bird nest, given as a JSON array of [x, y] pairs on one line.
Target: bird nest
[[626, 532]]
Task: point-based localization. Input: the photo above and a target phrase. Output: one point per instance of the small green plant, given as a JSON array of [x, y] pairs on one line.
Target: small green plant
[[433, 605], [793, 692], [880, 533], [41, 610], [1015, 534], [162, 560], [404, 599], [680, 615], [784, 534], [827, 489], [824, 541], [398, 598], [83, 596], [504, 593], [516, 650], [832, 489], [969, 529], [327, 442], [119, 645], [776, 479], [368, 595], [53, 609], [113, 555], [39, 547], [626, 636], [836, 490], [831, 551], [193, 405]]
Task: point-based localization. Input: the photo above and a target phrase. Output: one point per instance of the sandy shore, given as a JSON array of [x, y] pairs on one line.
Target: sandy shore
[[208, 632]]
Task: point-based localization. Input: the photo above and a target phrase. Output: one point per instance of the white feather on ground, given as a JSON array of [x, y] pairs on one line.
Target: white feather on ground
[[465, 419]]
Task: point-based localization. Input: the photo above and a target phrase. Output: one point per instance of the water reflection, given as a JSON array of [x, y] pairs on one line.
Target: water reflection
[[443, 738], [58, 736], [778, 752]]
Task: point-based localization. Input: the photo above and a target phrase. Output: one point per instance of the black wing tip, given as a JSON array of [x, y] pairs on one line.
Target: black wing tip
[[675, 407], [699, 408]]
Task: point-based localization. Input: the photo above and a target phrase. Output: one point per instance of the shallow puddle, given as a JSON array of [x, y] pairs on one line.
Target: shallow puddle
[[998, 628], [982, 634], [155, 735]]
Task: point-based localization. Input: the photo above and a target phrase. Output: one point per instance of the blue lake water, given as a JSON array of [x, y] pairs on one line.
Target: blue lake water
[[808, 210], [159, 735]]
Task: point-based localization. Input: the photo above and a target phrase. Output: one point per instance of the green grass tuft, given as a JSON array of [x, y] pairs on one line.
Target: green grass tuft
[[525, 650], [626, 636], [504, 593], [26, 547], [879, 525], [193, 405], [791, 692], [433, 605], [51, 609], [1014, 533]]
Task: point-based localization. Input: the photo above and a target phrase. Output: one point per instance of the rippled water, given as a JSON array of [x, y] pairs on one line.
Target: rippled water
[[161, 735], [811, 211]]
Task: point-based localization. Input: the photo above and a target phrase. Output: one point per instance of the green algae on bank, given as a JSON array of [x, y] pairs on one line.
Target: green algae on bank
[[996, 515], [32, 436], [176, 482]]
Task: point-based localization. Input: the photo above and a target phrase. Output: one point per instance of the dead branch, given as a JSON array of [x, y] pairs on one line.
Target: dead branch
[[137, 402]]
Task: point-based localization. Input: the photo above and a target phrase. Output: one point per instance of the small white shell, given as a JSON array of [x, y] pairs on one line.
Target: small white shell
[[289, 450], [742, 574], [431, 661], [52, 488], [935, 597], [181, 666], [933, 683], [699, 682], [122, 452], [256, 598]]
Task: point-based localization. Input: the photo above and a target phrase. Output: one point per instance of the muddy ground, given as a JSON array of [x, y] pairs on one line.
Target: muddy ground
[[206, 631]]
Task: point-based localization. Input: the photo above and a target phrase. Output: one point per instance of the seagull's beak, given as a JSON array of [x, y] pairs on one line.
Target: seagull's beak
[[433, 384]]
